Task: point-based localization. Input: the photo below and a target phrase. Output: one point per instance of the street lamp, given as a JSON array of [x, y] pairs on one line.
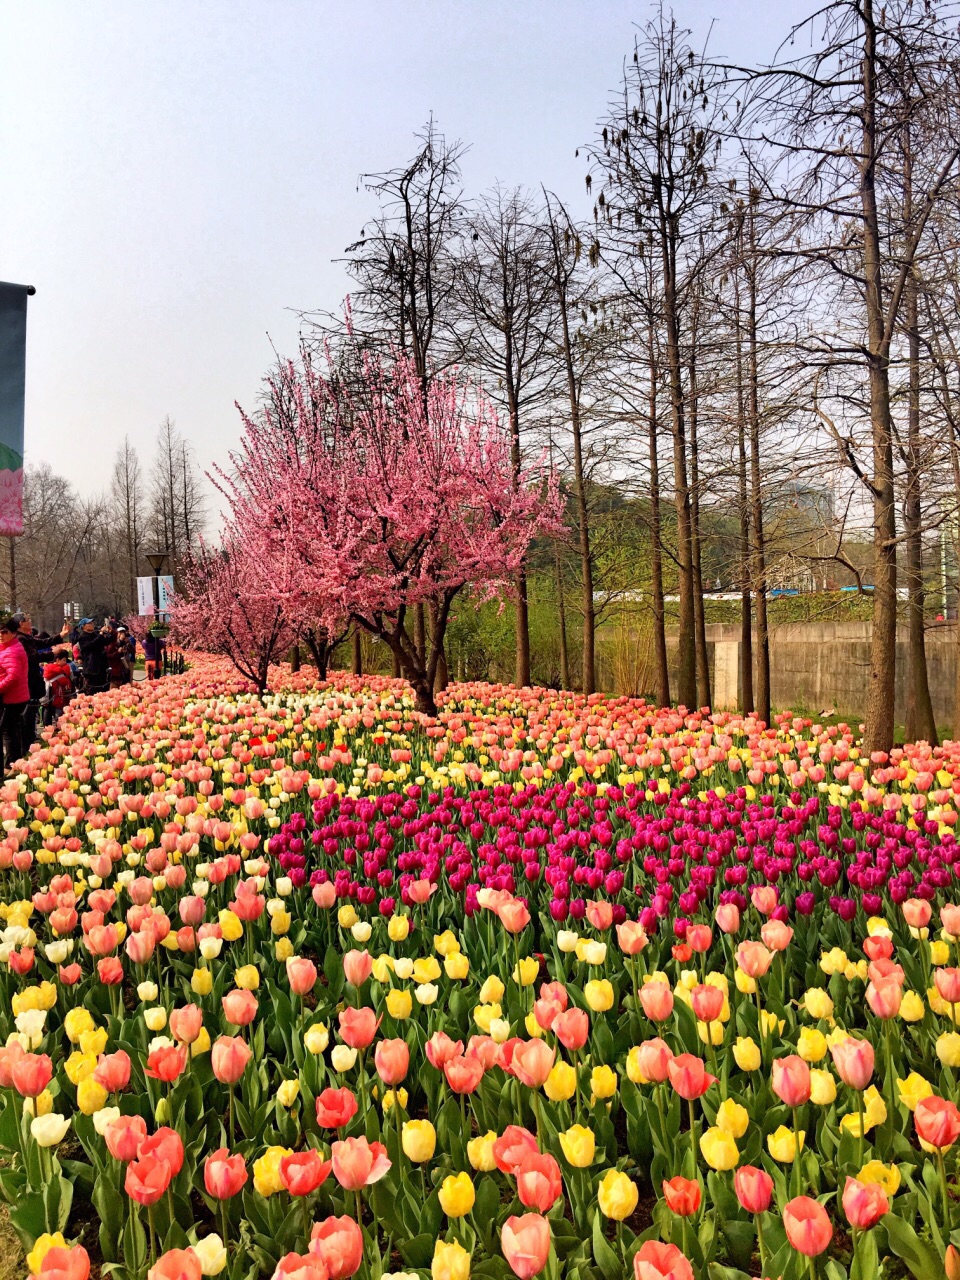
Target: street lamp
[[157, 560]]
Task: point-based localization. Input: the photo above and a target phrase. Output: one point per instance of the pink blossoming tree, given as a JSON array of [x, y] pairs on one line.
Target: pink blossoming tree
[[360, 499]]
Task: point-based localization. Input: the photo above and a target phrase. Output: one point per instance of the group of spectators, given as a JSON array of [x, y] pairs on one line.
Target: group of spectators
[[40, 673]]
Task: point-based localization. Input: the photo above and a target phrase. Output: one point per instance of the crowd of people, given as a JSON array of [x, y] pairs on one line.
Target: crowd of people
[[40, 673]]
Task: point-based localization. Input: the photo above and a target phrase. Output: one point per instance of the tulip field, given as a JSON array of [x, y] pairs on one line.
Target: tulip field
[[312, 985]]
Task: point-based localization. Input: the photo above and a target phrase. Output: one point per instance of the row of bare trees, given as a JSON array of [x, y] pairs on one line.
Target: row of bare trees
[[757, 322], [86, 552]]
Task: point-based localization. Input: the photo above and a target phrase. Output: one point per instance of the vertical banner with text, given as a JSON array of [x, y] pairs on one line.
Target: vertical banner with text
[[13, 352]]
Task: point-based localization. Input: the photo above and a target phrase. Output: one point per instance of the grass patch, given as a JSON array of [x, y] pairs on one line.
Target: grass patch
[[11, 1254]]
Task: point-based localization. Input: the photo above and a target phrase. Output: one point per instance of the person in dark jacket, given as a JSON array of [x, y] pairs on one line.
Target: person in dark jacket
[[153, 651], [34, 678], [14, 692], [93, 655]]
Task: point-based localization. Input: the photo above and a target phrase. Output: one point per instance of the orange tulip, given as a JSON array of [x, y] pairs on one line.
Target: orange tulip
[[791, 1080], [358, 1027], [657, 1001], [525, 1242], [532, 1062], [807, 1226], [392, 1060]]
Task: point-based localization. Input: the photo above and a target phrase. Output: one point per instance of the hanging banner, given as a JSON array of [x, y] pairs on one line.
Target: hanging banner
[[165, 592], [13, 356], [145, 604]]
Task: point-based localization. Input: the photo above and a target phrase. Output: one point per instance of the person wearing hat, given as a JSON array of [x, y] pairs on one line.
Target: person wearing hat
[[93, 655], [14, 691]]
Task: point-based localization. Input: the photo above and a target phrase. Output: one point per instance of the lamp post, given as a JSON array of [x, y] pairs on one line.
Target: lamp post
[[157, 561]]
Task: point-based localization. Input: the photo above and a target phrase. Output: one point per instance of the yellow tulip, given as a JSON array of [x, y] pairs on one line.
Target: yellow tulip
[[732, 1118], [316, 1038], [719, 1149], [884, 1175], [948, 1048], [398, 928], [913, 1090], [527, 974], [446, 944], [782, 1144], [599, 994], [266, 1171], [42, 1247], [450, 1262], [283, 950], [603, 1082], [823, 1087], [618, 1195], [288, 1092], [419, 1140], [456, 966], [231, 925], [492, 990], [480, 1152], [811, 1044], [578, 1145], [912, 1007], [426, 969], [746, 1053], [457, 1195], [399, 1003], [91, 1096], [201, 983], [561, 1083]]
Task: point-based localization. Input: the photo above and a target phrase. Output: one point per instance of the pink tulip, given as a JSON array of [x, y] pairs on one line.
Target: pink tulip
[[525, 1242]]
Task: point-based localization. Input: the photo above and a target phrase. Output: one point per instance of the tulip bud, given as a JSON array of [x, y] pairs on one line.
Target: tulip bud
[[951, 1263]]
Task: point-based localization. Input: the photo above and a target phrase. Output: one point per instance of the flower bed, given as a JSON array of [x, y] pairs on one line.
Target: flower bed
[[311, 984]]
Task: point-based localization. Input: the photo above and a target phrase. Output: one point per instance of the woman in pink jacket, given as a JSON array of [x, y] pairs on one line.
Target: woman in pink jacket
[[14, 692]]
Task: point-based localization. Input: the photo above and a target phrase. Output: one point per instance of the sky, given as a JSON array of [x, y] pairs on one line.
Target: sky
[[176, 179]]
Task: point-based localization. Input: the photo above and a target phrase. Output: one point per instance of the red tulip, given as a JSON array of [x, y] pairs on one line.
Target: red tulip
[[572, 1027], [657, 1261], [539, 1184], [229, 1058], [700, 937], [525, 1243], [357, 1162], [124, 1135], [357, 967], [632, 937], [240, 1007], [689, 1076], [304, 1171], [532, 1062], [754, 959], [147, 1179], [854, 1062], [338, 1242], [878, 947], [113, 1071], [223, 1174], [511, 1147], [807, 1226], [514, 916], [440, 1049], [937, 1121], [682, 1196], [358, 1027], [463, 1074], [301, 1266], [654, 1058], [65, 1263], [754, 1188], [186, 1023], [791, 1080], [166, 1144], [657, 1001], [301, 975], [864, 1203], [31, 1073], [335, 1108], [707, 1002], [392, 1060], [166, 1063], [176, 1264]]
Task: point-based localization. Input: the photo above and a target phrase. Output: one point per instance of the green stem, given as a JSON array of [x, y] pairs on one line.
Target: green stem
[[223, 1222], [153, 1234], [693, 1136], [946, 1196]]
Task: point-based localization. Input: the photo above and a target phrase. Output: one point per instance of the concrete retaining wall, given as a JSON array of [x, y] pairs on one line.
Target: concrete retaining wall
[[819, 666]]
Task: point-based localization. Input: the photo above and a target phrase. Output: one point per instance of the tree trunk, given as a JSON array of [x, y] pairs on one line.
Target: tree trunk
[[562, 619], [759, 557], [920, 723], [883, 649], [521, 607], [420, 632], [656, 537], [357, 652], [442, 674], [746, 609], [580, 484], [699, 616], [687, 654], [295, 658], [319, 651]]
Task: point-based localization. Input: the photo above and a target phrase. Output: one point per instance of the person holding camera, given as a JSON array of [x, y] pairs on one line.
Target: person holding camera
[[93, 655]]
